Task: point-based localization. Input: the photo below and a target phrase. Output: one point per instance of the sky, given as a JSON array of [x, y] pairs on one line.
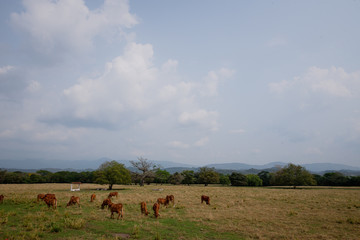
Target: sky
[[195, 82]]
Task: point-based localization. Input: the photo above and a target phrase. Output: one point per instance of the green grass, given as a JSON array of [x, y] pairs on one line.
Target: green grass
[[234, 213]]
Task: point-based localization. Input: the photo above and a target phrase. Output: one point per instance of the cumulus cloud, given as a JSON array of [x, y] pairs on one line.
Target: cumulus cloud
[[132, 88], [332, 82], [212, 80], [126, 85], [69, 25]]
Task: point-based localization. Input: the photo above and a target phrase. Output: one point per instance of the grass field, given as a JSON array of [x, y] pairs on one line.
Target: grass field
[[234, 213]]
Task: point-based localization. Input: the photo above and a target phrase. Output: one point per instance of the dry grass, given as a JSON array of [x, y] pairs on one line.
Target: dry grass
[[234, 213]]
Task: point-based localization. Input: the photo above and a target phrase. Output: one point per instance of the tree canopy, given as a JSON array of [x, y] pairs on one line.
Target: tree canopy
[[112, 173], [189, 177], [294, 175], [208, 176], [254, 180], [238, 179], [145, 167], [161, 176]]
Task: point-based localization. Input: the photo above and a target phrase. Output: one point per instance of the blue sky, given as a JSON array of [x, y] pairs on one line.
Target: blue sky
[[196, 82]]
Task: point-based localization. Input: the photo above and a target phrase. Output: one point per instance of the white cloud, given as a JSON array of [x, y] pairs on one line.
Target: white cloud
[[200, 117], [284, 85], [132, 88], [126, 85], [212, 80], [69, 25], [6, 69], [332, 82]]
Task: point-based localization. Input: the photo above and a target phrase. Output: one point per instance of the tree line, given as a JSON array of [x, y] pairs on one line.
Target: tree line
[[112, 172]]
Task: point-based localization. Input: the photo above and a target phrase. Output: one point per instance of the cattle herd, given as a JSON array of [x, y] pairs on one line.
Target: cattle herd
[[51, 201]]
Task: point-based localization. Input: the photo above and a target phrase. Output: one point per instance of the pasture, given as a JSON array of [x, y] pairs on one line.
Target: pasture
[[234, 213]]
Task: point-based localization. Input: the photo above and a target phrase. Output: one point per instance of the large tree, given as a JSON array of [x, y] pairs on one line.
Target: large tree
[[253, 180], [145, 167], [238, 179], [162, 176], [265, 176], [112, 173], [189, 177], [208, 175], [294, 175], [176, 178]]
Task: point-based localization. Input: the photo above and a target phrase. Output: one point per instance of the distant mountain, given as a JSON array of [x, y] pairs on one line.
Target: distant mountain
[[244, 166], [313, 167], [172, 167], [320, 167], [173, 170]]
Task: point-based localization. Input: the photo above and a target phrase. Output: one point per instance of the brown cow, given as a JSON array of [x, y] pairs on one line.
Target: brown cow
[[118, 208], [50, 201], [170, 198], [50, 195], [40, 196], [92, 198], [162, 201], [205, 199], [73, 200], [106, 202], [156, 208], [1, 198], [143, 208], [113, 194]]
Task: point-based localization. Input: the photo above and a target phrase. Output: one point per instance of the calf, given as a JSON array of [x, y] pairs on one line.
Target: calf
[[50, 201], [162, 201], [205, 199], [40, 196], [113, 194], [106, 202], [143, 208], [92, 198], [1, 198], [156, 208], [74, 200], [170, 198], [118, 208]]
